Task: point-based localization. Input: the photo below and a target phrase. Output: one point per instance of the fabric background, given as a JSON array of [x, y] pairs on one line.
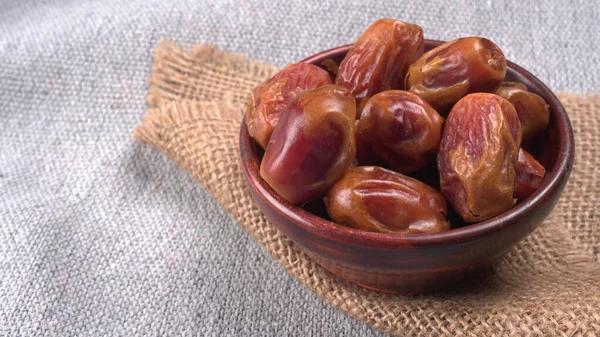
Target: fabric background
[[103, 236]]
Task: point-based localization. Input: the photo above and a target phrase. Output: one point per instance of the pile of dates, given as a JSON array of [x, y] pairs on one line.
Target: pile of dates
[[358, 138]]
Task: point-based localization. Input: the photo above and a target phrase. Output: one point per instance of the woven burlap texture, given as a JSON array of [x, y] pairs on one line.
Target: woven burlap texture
[[549, 285]]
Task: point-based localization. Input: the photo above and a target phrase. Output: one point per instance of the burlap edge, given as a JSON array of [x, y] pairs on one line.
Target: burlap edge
[[199, 54], [151, 128]]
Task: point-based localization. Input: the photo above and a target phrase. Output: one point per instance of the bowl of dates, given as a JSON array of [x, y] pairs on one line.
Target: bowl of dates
[[403, 164]]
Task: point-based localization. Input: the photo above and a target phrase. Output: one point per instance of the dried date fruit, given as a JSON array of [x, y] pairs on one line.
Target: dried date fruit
[[478, 156], [530, 174], [401, 130], [312, 146], [375, 199], [454, 69], [533, 111], [379, 59], [269, 98]]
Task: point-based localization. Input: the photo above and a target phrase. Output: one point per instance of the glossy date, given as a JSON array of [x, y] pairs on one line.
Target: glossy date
[[533, 111], [530, 174], [454, 69], [375, 199], [401, 130], [478, 156], [379, 59], [313, 145], [269, 98]]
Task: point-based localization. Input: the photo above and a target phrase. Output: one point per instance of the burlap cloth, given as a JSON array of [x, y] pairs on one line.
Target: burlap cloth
[[549, 285]]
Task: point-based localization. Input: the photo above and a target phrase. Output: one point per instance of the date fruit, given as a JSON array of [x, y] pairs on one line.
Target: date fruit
[[454, 69], [530, 174], [375, 199], [269, 98], [533, 111], [312, 146], [401, 129], [379, 59], [478, 156]]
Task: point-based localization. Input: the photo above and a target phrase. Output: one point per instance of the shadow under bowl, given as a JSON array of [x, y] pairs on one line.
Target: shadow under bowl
[[417, 263]]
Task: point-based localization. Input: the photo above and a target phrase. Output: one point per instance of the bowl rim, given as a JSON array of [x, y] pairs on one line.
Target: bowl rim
[[334, 232]]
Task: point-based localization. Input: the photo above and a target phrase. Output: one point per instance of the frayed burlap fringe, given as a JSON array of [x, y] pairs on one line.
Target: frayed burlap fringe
[[549, 285], [202, 73]]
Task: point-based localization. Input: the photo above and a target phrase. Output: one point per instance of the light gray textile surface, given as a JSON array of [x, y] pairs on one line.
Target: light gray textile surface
[[101, 236]]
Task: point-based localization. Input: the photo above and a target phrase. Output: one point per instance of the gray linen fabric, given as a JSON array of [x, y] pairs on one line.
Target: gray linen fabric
[[103, 236]]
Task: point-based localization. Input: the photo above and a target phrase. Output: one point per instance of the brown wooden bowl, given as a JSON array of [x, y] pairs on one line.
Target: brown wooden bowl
[[416, 263]]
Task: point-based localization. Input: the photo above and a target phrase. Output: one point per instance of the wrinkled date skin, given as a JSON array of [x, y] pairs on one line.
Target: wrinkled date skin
[[375, 199], [269, 98], [478, 155], [533, 111], [379, 59], [312, 146], [530, 174], [454, 69], [402, 130]]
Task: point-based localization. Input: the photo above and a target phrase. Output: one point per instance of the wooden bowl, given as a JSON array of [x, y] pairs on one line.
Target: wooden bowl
[[417, 263]]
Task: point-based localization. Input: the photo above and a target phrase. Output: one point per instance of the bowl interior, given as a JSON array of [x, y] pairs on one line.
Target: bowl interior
[[553, 148]]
